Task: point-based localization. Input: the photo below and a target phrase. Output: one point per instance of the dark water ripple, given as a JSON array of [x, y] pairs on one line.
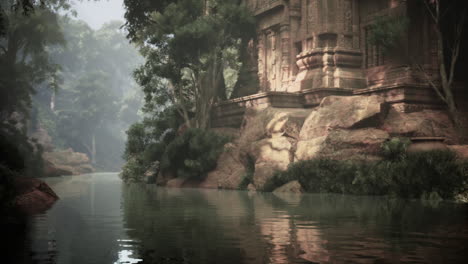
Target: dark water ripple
[[100, 220]]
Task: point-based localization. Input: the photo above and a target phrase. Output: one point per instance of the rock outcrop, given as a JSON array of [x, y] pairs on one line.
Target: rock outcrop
[[341, 127], [290, 187], [66, 162], [268, 140], [426, 123], [33, 195], [229, 171]]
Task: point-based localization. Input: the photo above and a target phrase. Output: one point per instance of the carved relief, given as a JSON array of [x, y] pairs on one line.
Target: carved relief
[[312, 15], [348, 15]]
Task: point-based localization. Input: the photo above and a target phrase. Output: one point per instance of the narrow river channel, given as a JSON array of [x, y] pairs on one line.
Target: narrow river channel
[[101, 220]]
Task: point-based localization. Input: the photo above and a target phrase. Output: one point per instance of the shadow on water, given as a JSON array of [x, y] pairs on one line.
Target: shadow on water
[[100, 220]]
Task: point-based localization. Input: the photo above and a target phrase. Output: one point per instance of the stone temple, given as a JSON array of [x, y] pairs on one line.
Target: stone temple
[[305, 50]]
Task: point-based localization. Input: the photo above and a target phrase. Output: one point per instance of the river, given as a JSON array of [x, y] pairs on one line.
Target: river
[[101, 220]]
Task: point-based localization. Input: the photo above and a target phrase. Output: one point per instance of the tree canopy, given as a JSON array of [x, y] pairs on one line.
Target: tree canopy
[[188, 45]]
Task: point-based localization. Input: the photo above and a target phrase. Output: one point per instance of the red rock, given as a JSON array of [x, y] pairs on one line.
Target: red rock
[[34, 195]]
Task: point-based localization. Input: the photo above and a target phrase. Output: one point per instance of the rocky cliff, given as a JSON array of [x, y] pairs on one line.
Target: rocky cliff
[[341, 127]]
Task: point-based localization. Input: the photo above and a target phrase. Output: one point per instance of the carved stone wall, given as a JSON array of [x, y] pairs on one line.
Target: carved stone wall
[[309, 49], [310, 44]]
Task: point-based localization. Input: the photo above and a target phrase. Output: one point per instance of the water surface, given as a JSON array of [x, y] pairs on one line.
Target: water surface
[[100, 220]]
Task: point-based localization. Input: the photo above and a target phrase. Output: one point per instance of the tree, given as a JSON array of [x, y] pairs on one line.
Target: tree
[[449, 19], [188, 76], [24, 60], [98, 98]]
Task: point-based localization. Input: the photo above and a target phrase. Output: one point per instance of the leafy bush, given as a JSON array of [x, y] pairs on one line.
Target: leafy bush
[[318, 175], [395, 148], [408, 175], [147, 142], [133, 170], [194, 153], [427, 172]]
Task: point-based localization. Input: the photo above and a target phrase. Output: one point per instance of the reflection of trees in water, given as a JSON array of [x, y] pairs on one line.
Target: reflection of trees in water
[[209, 226], [195, 226]]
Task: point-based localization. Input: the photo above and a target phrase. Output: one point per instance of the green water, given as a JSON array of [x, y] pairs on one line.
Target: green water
[[100, 220]]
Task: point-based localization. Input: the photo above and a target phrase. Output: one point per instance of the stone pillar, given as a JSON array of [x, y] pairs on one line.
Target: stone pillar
[[261, 60], [285, 55], [331, 57]]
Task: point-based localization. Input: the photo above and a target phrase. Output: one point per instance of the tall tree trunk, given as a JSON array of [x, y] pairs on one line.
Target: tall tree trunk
[[93, 148]]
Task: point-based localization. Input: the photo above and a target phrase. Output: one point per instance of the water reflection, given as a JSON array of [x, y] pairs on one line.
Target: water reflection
[[209, 226], [100, 220]]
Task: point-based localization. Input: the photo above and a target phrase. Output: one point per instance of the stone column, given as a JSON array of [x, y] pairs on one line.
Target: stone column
[[285, 55]]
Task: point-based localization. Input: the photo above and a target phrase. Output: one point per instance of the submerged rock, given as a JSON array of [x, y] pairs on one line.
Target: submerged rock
[[290, 187], [34, 195]]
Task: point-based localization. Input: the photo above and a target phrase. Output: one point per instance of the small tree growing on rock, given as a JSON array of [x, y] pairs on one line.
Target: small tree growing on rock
[[451, 15]]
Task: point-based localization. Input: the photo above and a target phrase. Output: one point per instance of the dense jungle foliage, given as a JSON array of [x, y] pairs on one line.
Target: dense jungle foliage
[[182, 82], [68, 81]]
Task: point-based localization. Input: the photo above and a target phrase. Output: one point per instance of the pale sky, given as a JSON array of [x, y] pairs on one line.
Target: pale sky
[[96, 13]]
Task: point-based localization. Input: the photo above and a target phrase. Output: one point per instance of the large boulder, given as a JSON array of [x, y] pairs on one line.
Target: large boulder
[[33, 195], [343, 144], [229, 171], [426, 123], [342, 112], [271, 122], [268, 139], [270, 155], [460, 150], [343, 127], [66, 162], [290, 187]]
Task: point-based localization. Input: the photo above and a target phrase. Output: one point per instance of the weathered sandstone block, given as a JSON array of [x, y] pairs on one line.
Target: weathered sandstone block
[[342, 112], [290, 187]]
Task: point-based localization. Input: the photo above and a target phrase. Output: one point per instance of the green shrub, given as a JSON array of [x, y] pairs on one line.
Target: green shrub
[[395, 148], [246, 180], [427, 172], [133, 170], [318, 175], [411, 175], [194, 153]]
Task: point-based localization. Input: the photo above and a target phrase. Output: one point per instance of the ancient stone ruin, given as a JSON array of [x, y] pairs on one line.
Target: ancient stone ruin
[[305, 50], [313, 86]]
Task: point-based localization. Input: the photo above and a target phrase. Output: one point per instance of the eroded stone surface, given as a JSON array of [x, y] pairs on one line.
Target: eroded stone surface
[[34, 195], [290, 187], [426, 123], [66, 162], [342, 112], [229, 170]]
